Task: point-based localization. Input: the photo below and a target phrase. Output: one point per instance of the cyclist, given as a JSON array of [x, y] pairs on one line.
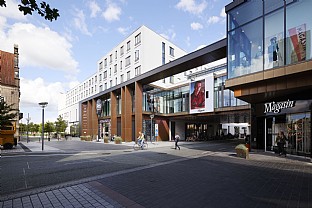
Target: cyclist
[[141, 139]]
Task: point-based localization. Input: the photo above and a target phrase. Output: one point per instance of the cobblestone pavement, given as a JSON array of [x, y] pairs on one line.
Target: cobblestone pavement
[[206, 179]]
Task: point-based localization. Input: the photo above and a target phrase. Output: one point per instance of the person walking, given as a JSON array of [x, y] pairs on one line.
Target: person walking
[[281, 141], [176, 140]]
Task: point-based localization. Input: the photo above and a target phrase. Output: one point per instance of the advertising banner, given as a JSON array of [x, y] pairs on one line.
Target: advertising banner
[[201, 95], [298, 39]]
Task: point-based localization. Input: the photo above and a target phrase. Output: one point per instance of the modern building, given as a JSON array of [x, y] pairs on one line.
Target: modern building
[[140, 52], [270, 66], [10, 82], [155, 97]]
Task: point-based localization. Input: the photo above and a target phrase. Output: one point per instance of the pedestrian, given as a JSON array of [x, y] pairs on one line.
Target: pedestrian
[[281, 141], [176, 140]]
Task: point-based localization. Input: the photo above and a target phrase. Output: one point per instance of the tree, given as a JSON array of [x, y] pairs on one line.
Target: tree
[[6, 114], [60, 125], [49, 127], [23, 128], [43, 9]]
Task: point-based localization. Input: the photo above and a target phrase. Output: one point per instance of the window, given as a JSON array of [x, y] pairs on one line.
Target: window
[[137, 70], [101, 65], [171, 51], [128, 46], [95, 78], [274, 40], [111, 83], [101, 88], [121, 50], [137, 39], [120, 65], [115, 68], [298, 27], [136, 55], [105, 74], [111, 58], [121, 78], [163, 53], [171, 79], [105, 86], [115, 54], [128, 61], [105, 62], [128, 75], [116, 81], [100, 77], [110, 71], [245, 49]]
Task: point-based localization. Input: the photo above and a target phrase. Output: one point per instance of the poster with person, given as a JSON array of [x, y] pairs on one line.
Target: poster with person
[[198, 94]]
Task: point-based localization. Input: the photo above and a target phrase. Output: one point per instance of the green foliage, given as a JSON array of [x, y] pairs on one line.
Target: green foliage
[[27, 7], [49, 127], [60, 125], [118, 140], [23, 127], [6, 114]]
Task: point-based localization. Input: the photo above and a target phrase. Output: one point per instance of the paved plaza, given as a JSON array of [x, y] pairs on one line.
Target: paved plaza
[[193, 179]]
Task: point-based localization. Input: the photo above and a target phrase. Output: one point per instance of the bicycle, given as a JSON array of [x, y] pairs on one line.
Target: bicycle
[[136, 146]]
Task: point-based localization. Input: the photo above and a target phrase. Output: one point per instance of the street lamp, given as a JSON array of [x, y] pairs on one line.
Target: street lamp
[[43, 105], [27, 119], [151, 116]]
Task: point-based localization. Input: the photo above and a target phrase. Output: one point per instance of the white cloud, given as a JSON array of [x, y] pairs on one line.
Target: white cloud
[[80, 22], [112, 13], [11, 11], [39, 47], [47, 92], [196, 26], [214, 19], [170, 34], [95, 9], [191, 6], [124, 30]]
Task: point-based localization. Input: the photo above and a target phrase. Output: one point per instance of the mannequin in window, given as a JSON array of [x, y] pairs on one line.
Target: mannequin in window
[[273, 50], [259, 52]]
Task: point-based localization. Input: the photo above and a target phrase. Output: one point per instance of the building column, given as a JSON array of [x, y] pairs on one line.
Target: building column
[[123, 103], [113, 113], [128, 115], [138, 108]]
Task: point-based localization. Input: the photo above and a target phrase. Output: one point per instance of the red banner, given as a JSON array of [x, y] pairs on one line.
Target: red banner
[[298, 38]]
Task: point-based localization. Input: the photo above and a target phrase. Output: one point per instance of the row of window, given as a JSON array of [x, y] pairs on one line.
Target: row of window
[[274, 34], [137, 41], [177, 100]]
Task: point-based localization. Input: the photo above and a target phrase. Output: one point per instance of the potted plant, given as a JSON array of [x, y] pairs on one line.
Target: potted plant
[[106, 140], [118, 140]]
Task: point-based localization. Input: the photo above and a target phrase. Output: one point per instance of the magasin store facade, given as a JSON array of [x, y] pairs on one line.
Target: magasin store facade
[[270, 66]]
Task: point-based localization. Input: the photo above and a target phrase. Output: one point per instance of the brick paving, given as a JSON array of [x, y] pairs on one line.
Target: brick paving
[[208, 179]]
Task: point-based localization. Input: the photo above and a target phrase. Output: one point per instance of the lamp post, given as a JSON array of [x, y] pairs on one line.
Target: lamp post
[[151, 116], [43, 105], [27, 119], [98, 110]]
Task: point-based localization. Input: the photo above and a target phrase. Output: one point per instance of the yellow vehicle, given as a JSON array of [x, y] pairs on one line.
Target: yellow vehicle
[[7, 139]]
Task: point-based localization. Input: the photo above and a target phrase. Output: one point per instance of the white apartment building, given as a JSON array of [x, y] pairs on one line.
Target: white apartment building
[[139, 53]]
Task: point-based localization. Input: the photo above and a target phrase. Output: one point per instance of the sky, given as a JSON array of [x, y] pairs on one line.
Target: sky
[[56, 56]]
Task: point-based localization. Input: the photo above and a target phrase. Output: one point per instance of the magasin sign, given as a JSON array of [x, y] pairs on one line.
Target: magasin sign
[[276, 107]]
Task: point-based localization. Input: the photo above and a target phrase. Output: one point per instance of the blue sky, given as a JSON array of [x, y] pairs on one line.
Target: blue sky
[[56, 56]]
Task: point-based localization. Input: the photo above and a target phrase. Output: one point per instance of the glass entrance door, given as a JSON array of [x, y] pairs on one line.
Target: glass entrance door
[[299, 133]]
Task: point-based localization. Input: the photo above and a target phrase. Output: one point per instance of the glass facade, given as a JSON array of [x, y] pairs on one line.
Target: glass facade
[[177, 100], [261, 39]]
